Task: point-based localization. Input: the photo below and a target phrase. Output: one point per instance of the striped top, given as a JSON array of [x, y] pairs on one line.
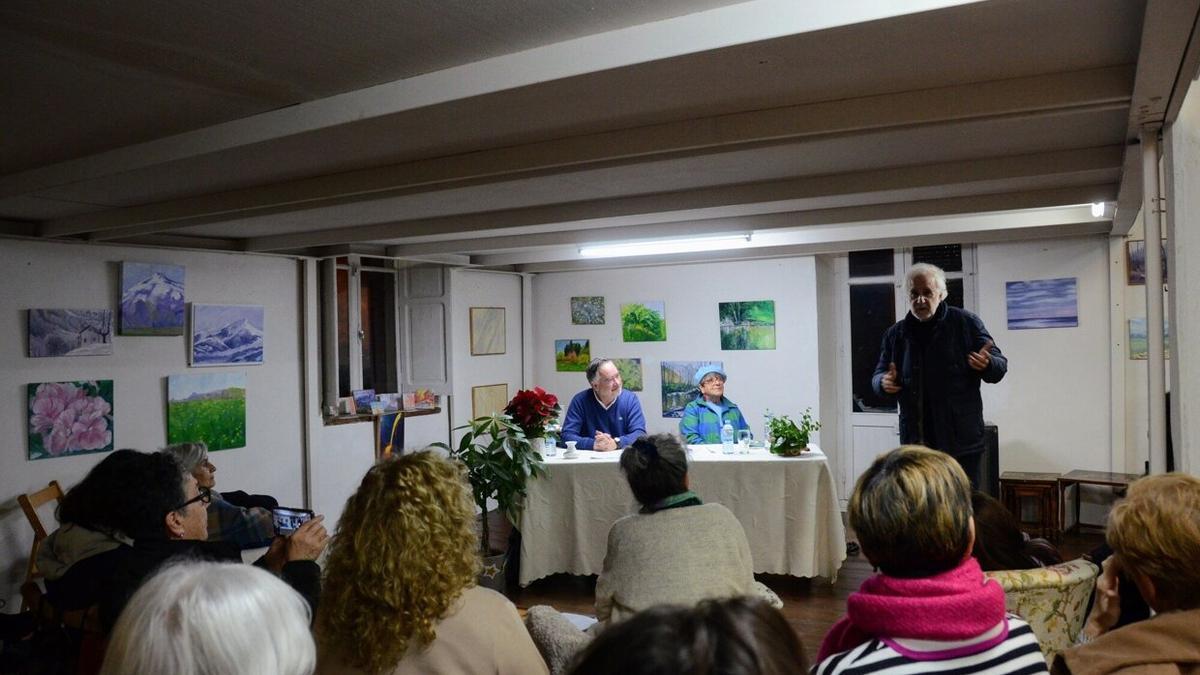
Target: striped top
[[1015, 653]]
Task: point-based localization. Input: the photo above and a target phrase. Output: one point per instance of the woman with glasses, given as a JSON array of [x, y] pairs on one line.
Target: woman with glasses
[[133, 512], [246, 527]]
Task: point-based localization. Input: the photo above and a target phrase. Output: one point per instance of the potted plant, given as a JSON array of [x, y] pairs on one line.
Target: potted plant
[[499, 461], [789, 439], [532, 410]]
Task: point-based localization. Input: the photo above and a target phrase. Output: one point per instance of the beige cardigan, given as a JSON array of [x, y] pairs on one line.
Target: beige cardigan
[[482, 635], [678, 556]]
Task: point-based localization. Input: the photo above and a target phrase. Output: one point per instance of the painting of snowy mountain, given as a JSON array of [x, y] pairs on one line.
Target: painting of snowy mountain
[[151, 299], [224, 334], [70, 332]]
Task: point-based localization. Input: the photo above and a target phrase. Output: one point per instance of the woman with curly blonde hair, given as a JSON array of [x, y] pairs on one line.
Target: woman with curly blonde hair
[[400, 594]]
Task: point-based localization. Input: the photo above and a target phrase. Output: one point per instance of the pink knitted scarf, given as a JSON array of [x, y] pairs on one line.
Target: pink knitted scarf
[[958, 604]]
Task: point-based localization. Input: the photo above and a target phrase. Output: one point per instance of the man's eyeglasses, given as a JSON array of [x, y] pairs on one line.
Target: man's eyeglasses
[[205, 497]]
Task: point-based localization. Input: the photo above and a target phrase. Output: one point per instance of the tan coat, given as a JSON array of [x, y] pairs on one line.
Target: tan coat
[[482, 635], [1168, 644], [679, 556]]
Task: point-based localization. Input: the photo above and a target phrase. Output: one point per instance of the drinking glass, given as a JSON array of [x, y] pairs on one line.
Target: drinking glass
[[743, 439]]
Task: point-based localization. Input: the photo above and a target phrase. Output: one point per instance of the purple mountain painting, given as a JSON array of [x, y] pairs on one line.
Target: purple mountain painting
[[224, 334], [151, 299]]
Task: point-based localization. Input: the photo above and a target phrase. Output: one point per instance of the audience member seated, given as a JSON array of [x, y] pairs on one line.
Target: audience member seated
[[999, 542], [400, 593], [245, 527], [1155, 535], [930, 608], [147, 499], [203, 617], [737, 636], [677, 550]]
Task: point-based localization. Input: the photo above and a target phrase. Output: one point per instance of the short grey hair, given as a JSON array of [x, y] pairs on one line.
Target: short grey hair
[[189, 455], [207, 617], [594, 367], [930, 272]]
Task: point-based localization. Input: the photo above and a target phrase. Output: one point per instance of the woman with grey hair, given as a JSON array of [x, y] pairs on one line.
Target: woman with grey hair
[[207, 617], [250, 527]]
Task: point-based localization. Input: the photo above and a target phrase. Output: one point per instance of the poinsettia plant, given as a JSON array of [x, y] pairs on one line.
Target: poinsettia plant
[[532, 409]]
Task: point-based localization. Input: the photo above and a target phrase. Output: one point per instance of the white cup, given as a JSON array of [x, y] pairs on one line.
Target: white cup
[[571, 452]]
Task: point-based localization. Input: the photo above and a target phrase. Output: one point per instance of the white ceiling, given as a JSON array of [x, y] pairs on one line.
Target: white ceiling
[[508, 133]]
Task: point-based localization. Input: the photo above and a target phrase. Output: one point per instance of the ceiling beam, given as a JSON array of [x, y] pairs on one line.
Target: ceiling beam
[[1038, 96], [1088, 166], [883, 240]]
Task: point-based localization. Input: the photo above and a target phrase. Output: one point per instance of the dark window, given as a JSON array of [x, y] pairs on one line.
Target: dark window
[[872, 311], [877, 263], [377, 302], [946, 256], [343, 332], [954, 292]]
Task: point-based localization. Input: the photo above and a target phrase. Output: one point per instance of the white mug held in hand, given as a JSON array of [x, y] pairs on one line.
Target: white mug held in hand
[[571, 452]]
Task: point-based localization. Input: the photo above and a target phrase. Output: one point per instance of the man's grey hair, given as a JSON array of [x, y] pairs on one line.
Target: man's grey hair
[[189, 455], [593, 369], [207, 617], [929, 272]]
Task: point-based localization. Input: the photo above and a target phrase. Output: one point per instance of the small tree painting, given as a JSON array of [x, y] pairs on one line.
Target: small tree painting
[[572, 355], [644, 322]]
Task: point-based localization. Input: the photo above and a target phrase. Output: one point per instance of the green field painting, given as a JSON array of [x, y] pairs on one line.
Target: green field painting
[[631, 373], [209, 408], [572, 355]]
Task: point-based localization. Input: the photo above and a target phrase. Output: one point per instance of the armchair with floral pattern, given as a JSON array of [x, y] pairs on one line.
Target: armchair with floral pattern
[[1053, 600]]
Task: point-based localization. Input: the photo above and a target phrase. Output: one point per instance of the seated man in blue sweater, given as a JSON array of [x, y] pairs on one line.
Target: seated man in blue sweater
[[604, 417]]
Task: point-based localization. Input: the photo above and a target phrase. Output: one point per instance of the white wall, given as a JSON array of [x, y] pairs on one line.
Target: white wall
[[1052, 408], [784, 379], [53, 275], [1183, 211], [484, 289]]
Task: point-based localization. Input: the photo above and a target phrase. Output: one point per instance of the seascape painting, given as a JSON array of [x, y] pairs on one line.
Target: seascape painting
[[151, 299], [677, 386], [631, 373], [1042, 303], [70, 418], [70, 332], [644, 321], [572, 355], [209, 407], [747, 325], [587, 310], [1139, 346], [227, 334]]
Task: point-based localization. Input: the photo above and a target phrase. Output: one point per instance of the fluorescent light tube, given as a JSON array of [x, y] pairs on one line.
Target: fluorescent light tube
[[1097, 209], [664, 246]]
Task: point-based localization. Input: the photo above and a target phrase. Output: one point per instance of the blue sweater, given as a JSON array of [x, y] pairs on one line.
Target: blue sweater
[[585, 416]]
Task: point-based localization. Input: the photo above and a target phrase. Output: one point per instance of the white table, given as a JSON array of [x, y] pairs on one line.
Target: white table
[[788, 507]]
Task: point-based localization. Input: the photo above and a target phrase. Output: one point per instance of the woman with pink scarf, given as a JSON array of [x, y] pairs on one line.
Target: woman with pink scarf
[[929, 610]]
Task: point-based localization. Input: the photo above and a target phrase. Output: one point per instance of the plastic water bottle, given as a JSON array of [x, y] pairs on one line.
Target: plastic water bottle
[[767, 417], [727, 439]]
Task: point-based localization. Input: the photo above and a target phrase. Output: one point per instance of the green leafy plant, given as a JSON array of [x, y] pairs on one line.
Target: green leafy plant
[[499, 461], [788, 438]]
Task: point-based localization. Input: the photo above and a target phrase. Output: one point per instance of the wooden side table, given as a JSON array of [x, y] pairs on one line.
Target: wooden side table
[[1043, 488], [1078, 478]]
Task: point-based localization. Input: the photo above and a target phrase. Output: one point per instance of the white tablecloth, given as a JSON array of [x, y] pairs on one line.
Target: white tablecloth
[[788, 507]]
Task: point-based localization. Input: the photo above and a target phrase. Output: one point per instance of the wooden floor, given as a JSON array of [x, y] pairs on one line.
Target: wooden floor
[[811, 606]]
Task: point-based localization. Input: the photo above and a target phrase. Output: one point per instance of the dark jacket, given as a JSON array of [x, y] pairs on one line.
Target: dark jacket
[[109, 579], [941, 371]]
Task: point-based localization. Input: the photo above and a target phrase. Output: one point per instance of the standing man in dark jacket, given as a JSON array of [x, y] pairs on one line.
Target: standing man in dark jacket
[[933, 360]]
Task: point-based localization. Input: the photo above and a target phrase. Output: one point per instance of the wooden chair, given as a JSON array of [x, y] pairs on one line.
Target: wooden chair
[[31, 593]]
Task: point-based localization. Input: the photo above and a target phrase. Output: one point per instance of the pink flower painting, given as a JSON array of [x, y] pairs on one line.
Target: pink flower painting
[[70, 418]]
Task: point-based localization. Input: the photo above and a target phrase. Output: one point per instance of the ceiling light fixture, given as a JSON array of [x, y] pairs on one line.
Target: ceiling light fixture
[[1097, 209], [664, 246]]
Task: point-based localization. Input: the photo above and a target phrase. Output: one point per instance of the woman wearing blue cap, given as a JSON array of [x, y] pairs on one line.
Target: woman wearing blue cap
[[704, 416]]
